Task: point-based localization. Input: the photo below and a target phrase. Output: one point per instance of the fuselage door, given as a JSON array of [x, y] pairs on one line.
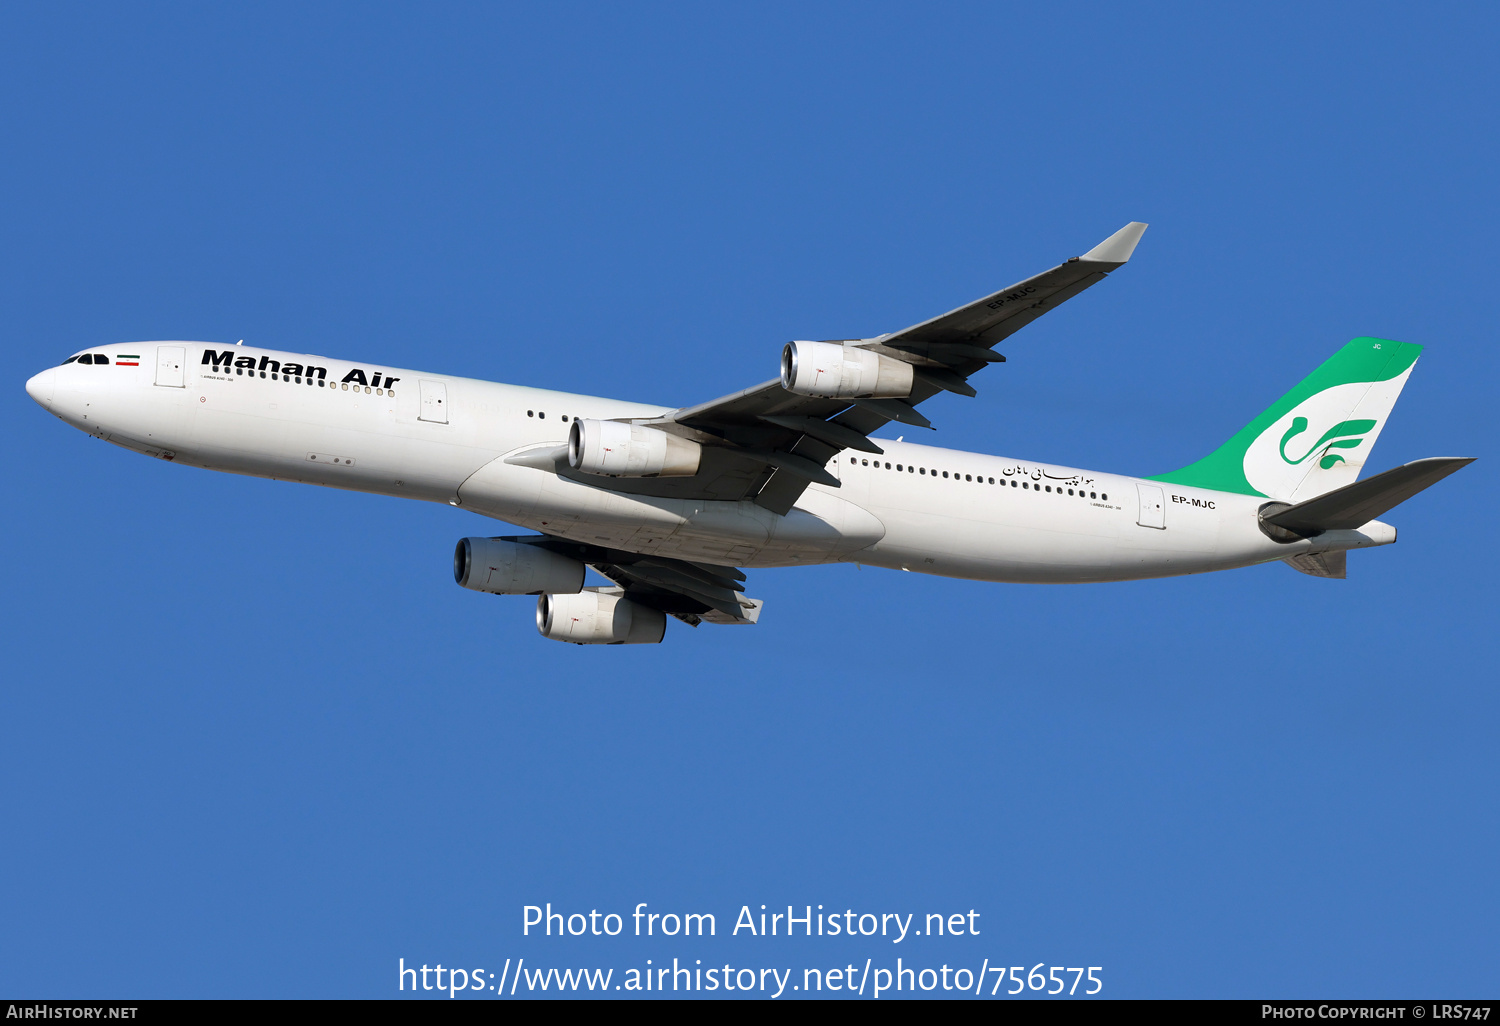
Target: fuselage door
[[434, 396], [169, 363], [1153, 507]]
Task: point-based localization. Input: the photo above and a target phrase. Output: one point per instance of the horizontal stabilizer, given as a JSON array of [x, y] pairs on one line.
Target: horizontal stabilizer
[[1357, 504]]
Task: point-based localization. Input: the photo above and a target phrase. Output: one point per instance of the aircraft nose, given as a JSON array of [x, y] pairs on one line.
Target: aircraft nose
[[40, 386]]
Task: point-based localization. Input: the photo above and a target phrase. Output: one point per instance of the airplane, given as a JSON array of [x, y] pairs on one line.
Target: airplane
[[672, 505]]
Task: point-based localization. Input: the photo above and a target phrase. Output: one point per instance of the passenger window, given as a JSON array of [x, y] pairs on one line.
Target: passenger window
[[541, 416], [945, 473], [1104, 497], [531, 413], [865, 462], [262, 373], [1049, 489], [565, 418], [898, 466]]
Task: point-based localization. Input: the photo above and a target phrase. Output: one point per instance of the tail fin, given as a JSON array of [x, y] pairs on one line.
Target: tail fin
[[1316, 437]]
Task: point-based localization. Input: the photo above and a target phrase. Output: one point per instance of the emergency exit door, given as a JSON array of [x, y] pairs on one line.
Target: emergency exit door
[[1153, 507], [169, 361], [434, 396]]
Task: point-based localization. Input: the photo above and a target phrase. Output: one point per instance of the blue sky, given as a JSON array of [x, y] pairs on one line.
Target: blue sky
[[256, 741]]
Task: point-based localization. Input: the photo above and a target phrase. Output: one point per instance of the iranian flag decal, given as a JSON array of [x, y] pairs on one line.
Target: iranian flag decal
[[124, 360]]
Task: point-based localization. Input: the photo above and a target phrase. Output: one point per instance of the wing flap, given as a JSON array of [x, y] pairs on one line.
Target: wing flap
[[829, 432]]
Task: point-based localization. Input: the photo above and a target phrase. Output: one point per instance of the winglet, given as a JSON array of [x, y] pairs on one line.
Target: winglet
[[1117, 248]]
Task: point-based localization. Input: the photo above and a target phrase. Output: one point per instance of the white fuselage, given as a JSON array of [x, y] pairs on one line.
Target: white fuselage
[[446, 439]]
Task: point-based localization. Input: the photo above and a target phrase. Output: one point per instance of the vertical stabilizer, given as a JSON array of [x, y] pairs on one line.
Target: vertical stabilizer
[[1316, 437]]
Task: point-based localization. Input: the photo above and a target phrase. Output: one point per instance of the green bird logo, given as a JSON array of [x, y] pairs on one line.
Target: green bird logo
[[1346, 434]]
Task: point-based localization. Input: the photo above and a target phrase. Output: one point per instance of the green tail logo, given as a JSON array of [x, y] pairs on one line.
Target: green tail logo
[[1345, 435], [1353, 390]]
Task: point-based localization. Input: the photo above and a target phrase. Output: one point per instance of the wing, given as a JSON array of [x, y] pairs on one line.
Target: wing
[[692, 592], [964, 337], [768, 444]]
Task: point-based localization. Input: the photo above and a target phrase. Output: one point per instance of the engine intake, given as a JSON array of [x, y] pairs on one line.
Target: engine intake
[[613, 448], [502, 567], [599, 617], [832, 371]]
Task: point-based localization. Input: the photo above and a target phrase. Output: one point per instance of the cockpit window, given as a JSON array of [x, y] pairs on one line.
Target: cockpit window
[[70, 360], [100, 358]]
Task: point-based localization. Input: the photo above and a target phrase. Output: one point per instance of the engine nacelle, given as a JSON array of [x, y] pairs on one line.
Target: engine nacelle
[[599, 617], [616, 449], [832, 371], [510, 568]]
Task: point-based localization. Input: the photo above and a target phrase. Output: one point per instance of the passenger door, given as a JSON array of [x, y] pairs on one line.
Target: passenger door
[[1153, 507], [434, 396], [169, 366]]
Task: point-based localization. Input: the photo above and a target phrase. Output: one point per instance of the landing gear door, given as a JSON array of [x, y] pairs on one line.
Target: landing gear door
[[1153, 507], [434, 395], [169, 364]]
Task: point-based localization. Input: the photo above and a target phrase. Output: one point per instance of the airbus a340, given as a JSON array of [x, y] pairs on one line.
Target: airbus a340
[[671, 504]]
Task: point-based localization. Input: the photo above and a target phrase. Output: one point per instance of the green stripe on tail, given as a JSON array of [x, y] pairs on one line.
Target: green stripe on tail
[[1345, 401]]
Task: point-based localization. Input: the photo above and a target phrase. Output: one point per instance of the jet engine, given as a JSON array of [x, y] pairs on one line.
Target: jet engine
[[833, 371], [598, 616], [503, 567], [616, 449]]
